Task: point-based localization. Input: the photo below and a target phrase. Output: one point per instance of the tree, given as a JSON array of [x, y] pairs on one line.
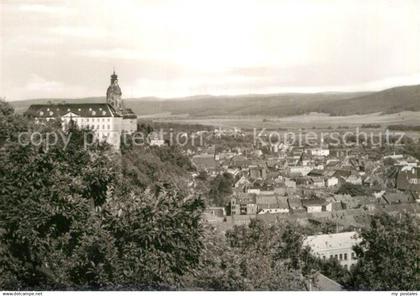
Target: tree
[[353, 189], [5, 108], [244, 260], [10, 123], [145, 166], [220, 188], [71, 219], [388, 256]]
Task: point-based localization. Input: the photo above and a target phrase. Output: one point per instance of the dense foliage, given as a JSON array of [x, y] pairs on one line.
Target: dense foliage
[[70, 218], [220, 189], [353, 189], [389, 255], [246, 259]]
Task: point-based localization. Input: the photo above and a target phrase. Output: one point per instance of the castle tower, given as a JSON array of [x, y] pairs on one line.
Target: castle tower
[[113, 94]]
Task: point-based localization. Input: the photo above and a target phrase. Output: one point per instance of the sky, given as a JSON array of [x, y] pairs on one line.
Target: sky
[[163, 48]]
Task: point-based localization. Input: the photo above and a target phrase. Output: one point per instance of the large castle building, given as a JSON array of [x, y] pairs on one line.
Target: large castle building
[[108, 120]]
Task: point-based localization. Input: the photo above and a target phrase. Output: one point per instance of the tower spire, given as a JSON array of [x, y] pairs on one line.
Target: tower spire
[[114, 77], [113, 93]]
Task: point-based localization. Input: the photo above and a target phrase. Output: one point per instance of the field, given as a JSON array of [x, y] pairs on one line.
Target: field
[[311, 120]]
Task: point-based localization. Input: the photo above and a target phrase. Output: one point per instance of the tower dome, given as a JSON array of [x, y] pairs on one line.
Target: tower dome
[[113, 93]]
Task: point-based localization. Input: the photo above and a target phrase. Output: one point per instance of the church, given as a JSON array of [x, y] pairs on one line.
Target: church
[[108, 120]]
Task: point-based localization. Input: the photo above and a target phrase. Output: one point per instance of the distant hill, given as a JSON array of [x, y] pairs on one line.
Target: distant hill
[[388, 101], [270, 105], [393, 100]]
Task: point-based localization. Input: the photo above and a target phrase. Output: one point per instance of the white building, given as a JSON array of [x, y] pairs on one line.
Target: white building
[[300, 170], [319, 152], [106, 120], [332, 181], [271, 204], [353, 179], [314, 205], [335, 245]]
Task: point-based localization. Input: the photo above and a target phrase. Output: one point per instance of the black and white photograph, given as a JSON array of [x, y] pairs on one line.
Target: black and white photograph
[[203, 146]]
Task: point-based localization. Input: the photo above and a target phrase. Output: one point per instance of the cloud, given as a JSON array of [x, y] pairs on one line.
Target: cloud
[[49, 8], [185, 47], [37, 83], [79, 31], [113, 53], [40, 87]]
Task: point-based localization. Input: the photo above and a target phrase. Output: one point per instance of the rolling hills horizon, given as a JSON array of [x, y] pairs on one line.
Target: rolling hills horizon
[[392, 100]]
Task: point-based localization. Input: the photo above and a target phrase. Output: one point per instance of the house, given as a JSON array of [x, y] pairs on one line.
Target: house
[[272, 204], [154, 140], [332, 162], [313, 205], [322, 283], [394, 156], [243, 204], [108, 121], [205, 162], [335, 245], [408, 178], [318, 182], [289, 183], [347, 201], [357, 202], [331, 181], [257, 172], [295, 205], [234, 172], [397, 198], [239, 161], [342, 173], [319, 151], [354, 179], [374, 181], [226, 155], [316, 173], [243, 182], [328, 206], [299, 170], [216, 211]]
